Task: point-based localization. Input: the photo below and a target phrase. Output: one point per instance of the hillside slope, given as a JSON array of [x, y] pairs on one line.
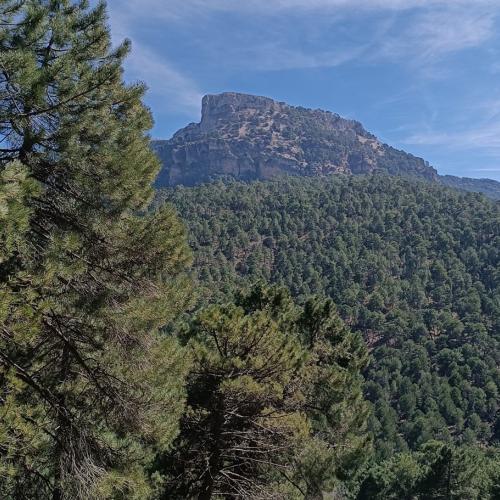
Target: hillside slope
[[413, 266], [489, 187]]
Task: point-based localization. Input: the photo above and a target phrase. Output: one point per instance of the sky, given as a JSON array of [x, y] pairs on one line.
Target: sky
[[422, 75]]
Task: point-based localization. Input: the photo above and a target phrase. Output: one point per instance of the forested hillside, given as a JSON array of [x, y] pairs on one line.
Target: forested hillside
[[414, 267], [337, 337], [489, 187]]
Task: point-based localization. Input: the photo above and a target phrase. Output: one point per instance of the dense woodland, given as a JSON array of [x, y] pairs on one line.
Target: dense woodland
[[411, 266], [489, 187], [335, 337]]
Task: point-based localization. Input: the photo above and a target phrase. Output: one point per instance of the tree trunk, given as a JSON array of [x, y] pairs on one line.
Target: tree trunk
[[214, 463], [59, 458]]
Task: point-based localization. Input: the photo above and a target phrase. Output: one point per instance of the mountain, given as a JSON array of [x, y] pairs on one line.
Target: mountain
[[489, 187], [250, 137]]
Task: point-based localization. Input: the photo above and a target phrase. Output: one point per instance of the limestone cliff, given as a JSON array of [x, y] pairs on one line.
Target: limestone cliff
[[250, 137]]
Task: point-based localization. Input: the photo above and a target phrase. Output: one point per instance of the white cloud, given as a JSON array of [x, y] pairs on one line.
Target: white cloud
[[433, 34], [434, 29], [178, 92], [489, 109], [485, 136], [277, 56]]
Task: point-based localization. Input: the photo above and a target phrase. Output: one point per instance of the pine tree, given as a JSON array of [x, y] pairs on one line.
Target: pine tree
[[437, 471], [336, 408], [88, 277], [274, 402], [244, 417]]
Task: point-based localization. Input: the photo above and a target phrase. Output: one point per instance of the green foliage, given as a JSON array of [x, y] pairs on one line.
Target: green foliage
[[87, 384], [15, 189], [435, 471], [92, 395], [414, 267], [489, 187], [274, 401]]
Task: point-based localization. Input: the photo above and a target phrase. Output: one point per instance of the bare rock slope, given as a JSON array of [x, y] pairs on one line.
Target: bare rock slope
[[250, 137]]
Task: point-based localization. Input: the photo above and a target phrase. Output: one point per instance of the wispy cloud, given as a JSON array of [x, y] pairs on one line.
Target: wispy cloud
[[177, 92], [490, 108], [276, 56], [435, 33], [434, 29], [485, 137]]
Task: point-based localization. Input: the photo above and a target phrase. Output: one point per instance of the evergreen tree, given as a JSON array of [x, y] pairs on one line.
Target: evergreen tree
[[274, 402], [86, 382], [335, 404], [436, 471]]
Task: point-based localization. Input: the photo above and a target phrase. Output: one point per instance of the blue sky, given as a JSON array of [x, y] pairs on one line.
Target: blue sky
[[423, 75]]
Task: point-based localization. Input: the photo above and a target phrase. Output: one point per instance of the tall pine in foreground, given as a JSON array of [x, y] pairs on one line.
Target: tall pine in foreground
[[274, 406], [86, 280]]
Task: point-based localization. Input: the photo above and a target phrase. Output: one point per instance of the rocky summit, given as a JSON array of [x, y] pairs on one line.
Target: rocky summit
[[251, 137]]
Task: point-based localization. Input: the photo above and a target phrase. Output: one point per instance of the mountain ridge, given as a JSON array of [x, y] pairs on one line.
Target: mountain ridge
[[488, 187], [249, 137]]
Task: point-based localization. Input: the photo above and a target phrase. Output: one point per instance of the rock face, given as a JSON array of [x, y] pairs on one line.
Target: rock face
[[250, 137]]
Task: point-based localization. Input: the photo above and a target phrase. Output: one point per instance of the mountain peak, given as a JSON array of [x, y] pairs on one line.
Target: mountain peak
[[236, 100], [254, 137], [215, 107]]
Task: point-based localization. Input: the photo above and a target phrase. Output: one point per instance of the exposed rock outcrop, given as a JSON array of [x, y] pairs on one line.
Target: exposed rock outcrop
[[251, 137]]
